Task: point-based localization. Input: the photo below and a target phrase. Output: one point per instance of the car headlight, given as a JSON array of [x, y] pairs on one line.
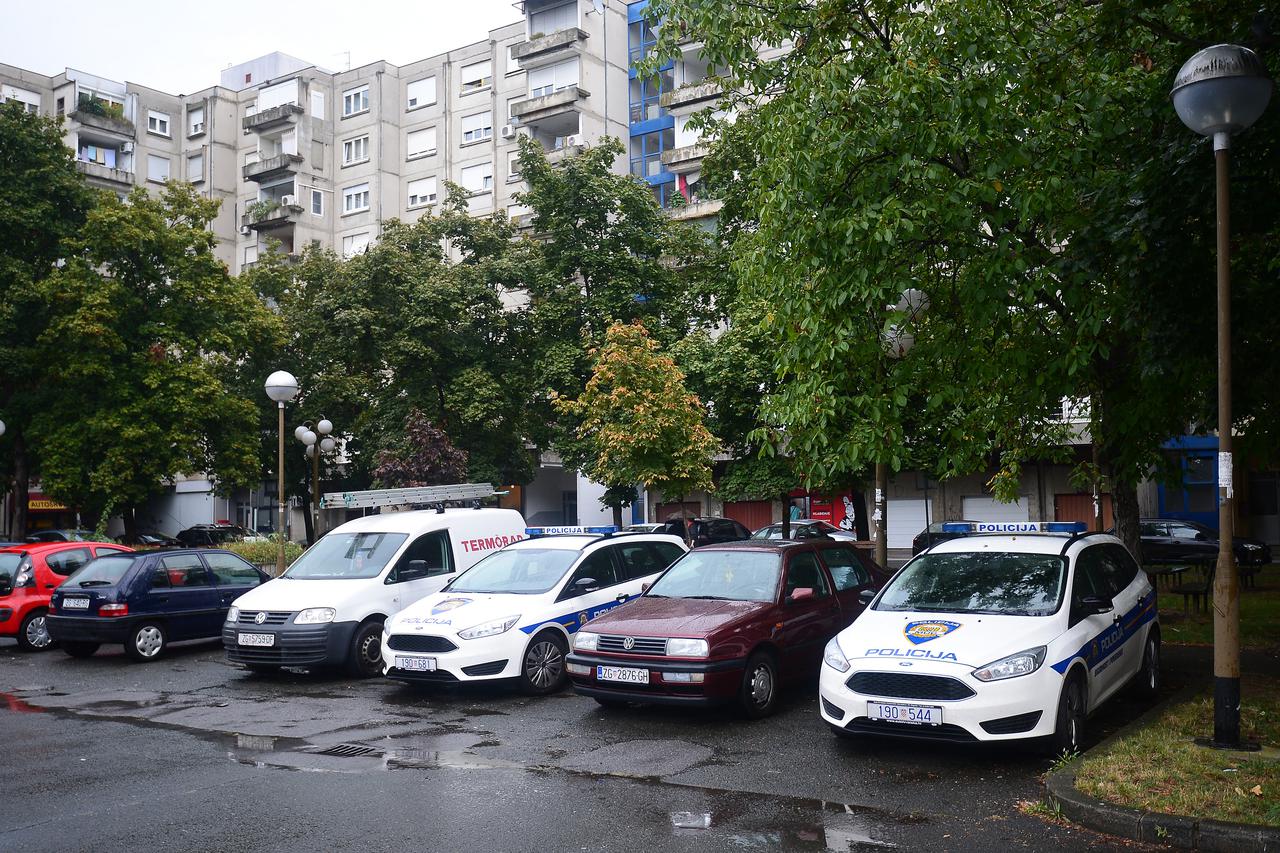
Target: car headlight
[[1251, 546], [489, 629], [233, 615], [679, 647], [833, 657], [1023, 663], [585, 641], [315, 616]]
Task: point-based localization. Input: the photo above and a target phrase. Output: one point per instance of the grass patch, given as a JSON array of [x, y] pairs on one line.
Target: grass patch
[[1259, 614], [1160, 769]]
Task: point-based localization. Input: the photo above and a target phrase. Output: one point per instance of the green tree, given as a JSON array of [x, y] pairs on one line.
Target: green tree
[[147, 338], [46, 201], [637, 421], [425, 457]]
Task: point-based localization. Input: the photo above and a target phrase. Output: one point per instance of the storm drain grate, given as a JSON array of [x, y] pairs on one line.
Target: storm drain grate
[[350, 750]]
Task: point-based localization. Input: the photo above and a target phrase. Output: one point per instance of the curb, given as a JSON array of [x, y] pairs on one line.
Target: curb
[[1155, 827]]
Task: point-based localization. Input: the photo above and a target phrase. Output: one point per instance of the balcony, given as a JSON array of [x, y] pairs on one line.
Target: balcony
[[273, 117], [104, 116], [559, 155], [273, 167], [545, 50], [546, 109], [683, 161], [693, 96], [696, 210], [97, 173], [265, 216]]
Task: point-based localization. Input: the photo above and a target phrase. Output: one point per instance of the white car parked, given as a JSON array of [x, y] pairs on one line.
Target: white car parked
[[514, 614], [1019, 634]]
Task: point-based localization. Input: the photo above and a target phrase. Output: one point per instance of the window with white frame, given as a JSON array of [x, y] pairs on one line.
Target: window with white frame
[[420, 143], [513, 64], [158, 122], [422, 192], [195, 120], [553, 19], [477, 178], [477, 127], [355, 150], [251, 253], [317, 203], [157, 168], [250, 108], [278, 95], [420, 93], [513, 166], [476, 76], [355, 198], [553, 78], [317, 104], [355, 101], [354, 244], [195, 168], [30, 100]]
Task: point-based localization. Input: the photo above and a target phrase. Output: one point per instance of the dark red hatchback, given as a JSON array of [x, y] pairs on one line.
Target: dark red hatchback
[[726, 623]]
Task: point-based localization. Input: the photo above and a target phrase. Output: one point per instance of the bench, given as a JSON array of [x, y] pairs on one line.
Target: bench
[[1198, 592]]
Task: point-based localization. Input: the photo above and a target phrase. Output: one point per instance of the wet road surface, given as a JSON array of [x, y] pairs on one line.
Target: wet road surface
[[193, 753]]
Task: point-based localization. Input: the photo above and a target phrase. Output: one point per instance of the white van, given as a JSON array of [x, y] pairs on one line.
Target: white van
[[328, 609]]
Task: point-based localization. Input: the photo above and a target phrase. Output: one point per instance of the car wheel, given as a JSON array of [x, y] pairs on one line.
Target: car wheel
[[80, 650], [366, 651], [1068, 735], [1148, 680], [759, 692], [33, 633], [146, 641], [543, 670]]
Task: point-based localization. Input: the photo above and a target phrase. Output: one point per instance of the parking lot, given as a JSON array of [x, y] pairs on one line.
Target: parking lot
[[196, 753]]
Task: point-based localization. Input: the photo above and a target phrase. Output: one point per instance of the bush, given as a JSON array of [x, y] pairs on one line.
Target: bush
[[263, 553]]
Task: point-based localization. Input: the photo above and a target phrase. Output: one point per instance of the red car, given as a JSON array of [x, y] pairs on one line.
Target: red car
[[726, 623], [28, 576]]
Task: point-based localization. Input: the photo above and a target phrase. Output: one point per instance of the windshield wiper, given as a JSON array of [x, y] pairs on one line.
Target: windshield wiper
[[710, 597]]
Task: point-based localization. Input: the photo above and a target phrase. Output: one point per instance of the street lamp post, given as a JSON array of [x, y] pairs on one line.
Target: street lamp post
[[1221, 91], [282, 388], [318, 440]]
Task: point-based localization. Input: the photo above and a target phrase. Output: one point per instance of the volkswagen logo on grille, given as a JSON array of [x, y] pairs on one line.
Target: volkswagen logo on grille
[[629, 643], [260, 618]]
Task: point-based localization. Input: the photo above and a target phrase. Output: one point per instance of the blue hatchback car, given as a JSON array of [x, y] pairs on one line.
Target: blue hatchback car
[[148, 599]]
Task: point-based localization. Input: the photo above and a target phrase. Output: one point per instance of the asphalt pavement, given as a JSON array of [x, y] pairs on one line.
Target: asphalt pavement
[[193, 753]]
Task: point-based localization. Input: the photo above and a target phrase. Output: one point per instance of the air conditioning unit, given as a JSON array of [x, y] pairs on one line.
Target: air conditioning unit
[[288, 200], [246, 230], [126, 147], [508, 131], [573, 139]]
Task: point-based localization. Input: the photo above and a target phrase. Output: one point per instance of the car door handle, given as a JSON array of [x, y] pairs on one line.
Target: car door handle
[[51, 586]]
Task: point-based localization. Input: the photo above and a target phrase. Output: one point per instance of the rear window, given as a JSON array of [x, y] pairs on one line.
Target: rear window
[[8, 571], [104, 571]]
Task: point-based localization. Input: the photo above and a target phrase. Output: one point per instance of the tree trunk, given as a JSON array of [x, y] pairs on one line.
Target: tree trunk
[[1124, 506], [21, 486], [786, 516], [617, 516], [130, 517], [861, 526]]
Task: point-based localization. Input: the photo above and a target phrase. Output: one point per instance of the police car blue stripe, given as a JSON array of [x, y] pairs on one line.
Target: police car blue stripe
[[1103, 644], [570, 621]]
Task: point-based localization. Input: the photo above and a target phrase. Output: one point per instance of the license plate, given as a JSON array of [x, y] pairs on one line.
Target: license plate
[[257, 639], [416, 664], [916, 715], [622, 673], [75, 603]]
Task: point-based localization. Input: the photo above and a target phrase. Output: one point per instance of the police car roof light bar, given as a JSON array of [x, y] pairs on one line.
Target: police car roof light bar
[[1071, 527], [571, 530], [417, 495]]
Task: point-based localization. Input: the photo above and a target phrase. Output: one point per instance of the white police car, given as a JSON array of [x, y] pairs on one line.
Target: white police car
[[1018, 634], [514, 613]]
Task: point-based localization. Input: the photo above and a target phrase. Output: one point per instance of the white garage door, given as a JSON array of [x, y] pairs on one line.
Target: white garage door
[[906, 519], [990, 509]]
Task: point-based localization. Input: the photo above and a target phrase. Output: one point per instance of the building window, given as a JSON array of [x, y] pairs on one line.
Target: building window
[[355, 101], [513, 166], [61, 107], [195, 168], [355, 150], [422, 192], [645, 93], [553, 78], [157, 168], [476, 77], [195, 121], [420, 93], [553, 19], [251, 254], [317, 105], [420, 143], [250, 108], [646, 152], [30, 100], [317, 203], [90, 153], [477, 178], [513, 64], [354, 244], [355, 199], [641, 37], [477, 126], [158, 122]]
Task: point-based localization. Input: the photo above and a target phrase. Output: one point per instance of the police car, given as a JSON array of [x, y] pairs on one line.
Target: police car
[[1014, 630], [514, 613]]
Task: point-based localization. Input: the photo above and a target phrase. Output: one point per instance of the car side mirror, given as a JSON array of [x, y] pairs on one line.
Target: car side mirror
[[799, 594], [865, 596], [644, 587], [1094, 604], [584, 584], [413, 571]]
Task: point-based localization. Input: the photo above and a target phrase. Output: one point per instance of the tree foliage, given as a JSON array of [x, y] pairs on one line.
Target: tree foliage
[[424, 457]]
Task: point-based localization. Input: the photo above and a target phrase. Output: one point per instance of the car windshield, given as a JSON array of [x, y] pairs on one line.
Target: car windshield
[[104, 571], [343, 556], [520, 571], [978, 582], [728, 575]]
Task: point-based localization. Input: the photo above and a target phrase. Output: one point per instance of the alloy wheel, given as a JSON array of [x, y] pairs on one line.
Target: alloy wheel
[[37, 633], [543, 664]]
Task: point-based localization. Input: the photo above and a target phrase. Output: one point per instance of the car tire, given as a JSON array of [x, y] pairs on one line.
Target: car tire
[[80, 650], [1147, 683], [542, 669], [365, 659], [33, 633], [1068, 732], [146, 641], [758, 695]]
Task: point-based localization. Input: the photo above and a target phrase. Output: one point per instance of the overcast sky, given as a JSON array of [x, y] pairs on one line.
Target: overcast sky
[[182, 47]]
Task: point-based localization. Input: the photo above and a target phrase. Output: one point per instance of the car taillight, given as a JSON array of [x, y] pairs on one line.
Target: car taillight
[[113, 610], [26, 574]]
